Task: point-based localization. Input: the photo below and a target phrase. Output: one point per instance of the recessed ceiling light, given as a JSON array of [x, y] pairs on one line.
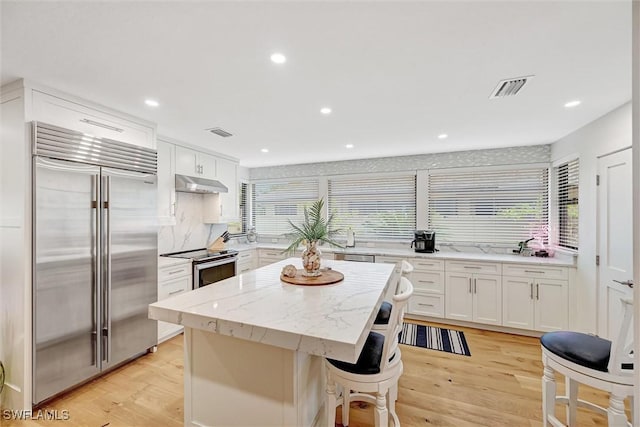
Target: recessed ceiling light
[[443, 136], [151, 102], [572, 104], [278, 58], [325, 110], [265, 150], [349, 146]]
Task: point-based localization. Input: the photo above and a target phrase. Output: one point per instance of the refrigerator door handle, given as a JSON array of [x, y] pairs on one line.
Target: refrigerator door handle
[[95, 188], [106, 284]]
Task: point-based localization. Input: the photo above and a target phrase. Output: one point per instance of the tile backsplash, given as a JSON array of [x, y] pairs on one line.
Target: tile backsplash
[[189, 232]]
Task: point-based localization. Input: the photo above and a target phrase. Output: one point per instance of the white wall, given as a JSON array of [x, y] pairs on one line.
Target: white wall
[[609, 133], [189, 232]]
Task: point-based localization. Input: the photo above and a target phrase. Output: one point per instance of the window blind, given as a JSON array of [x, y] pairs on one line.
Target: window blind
[[244, 207], [488, 206], [567, 178], [376, 208], [276, 202]]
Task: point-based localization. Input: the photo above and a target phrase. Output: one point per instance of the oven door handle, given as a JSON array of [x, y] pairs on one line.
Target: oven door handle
[[206, 265]]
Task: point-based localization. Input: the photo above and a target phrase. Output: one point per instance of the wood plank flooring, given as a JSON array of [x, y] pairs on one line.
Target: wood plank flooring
[[499, 385]]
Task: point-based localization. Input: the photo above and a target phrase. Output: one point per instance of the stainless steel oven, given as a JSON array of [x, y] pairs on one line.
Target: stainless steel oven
[[206, 273], [209, 267]]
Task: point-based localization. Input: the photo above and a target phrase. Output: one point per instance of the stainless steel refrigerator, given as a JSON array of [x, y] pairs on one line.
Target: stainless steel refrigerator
[[95, 256]]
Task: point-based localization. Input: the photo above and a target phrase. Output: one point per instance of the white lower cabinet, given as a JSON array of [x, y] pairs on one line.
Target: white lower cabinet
[[269, 256], [536, 303], [247, 261], [473, 298], [428, 288], [172, 280]]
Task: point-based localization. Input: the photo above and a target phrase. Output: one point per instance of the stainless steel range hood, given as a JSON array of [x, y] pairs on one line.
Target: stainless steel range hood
[[192, 184]]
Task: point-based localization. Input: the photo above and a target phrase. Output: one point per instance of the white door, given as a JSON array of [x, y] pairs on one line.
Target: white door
[[615, 245]]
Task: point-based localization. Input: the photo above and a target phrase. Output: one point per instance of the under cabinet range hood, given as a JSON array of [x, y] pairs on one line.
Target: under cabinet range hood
[[192, 184]]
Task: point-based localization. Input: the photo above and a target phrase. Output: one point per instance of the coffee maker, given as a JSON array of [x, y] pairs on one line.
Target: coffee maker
[[424, 241]]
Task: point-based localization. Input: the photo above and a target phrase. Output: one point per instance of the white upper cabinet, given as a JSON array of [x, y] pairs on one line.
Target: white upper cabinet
[[224, 207], [195, 163], [75, 115], [166, 183]]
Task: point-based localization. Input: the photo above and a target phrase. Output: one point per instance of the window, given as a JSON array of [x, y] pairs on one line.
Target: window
[[276, 202], [496, 206], [244, 207], [567, 204], [380, 208]]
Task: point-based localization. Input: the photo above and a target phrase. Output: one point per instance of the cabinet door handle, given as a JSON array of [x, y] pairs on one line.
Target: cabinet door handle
[[470, 285], [176, 271], [426, 305], [176, 292], [531, 290], [537, 291], [472, 267], [475, 286], [101, 125], [425, 281], [534, 271]]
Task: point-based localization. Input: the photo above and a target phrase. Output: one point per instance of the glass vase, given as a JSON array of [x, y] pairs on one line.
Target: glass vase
[[311, 257]]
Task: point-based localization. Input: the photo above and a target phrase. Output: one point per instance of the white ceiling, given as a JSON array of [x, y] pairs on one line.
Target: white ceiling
[[396, 74]]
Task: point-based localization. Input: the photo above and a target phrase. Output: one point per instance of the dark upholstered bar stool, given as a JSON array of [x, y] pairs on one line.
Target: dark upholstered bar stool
[[593, 361], [376, 371], [403, 269]]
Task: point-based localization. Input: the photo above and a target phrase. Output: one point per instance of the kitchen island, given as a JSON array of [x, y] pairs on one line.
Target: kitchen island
[[254, 345]]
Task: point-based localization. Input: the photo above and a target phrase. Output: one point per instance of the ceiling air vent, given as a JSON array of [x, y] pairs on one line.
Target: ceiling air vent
[[220, 132], [509, 87]]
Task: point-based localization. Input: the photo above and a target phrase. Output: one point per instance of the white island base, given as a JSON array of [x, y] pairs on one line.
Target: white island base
[[236, 382]]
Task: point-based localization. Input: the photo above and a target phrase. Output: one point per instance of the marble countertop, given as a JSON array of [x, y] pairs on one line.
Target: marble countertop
[[444, 255], [164, 262], [330, 321]]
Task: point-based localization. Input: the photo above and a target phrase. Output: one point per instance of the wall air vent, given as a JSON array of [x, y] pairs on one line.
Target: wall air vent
[[220, 132], [509, 87]]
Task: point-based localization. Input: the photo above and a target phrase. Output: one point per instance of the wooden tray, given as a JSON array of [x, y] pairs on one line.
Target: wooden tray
[[326, 278]]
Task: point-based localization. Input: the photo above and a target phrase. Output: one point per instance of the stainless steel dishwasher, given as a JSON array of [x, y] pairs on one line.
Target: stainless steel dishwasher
[[355, 257]]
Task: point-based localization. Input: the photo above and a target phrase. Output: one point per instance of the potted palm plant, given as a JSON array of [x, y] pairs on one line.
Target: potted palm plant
[[311, 232]]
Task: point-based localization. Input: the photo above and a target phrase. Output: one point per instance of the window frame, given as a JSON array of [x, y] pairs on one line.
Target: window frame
[[376, 176], [425, 176], [560, 220]]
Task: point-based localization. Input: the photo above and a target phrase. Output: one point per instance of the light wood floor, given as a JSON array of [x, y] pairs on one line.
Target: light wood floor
[[499, 385]]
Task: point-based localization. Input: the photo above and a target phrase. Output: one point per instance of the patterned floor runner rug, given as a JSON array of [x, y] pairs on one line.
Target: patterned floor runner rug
[[434, 338]]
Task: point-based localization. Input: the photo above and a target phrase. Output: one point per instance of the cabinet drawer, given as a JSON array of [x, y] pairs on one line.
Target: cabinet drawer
[[538, 271], [474, 267], [427, 264], [170, 273], [382, 259], [272, 254], [245, 255], [432, 281], [244, 267], [173, 287], [427, 305], [78, 117]]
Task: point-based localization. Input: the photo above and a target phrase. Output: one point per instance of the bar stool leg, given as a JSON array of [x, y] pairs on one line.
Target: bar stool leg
[[572, 407], [346, 403], [381, 412], [331, 402], [548, 395]]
